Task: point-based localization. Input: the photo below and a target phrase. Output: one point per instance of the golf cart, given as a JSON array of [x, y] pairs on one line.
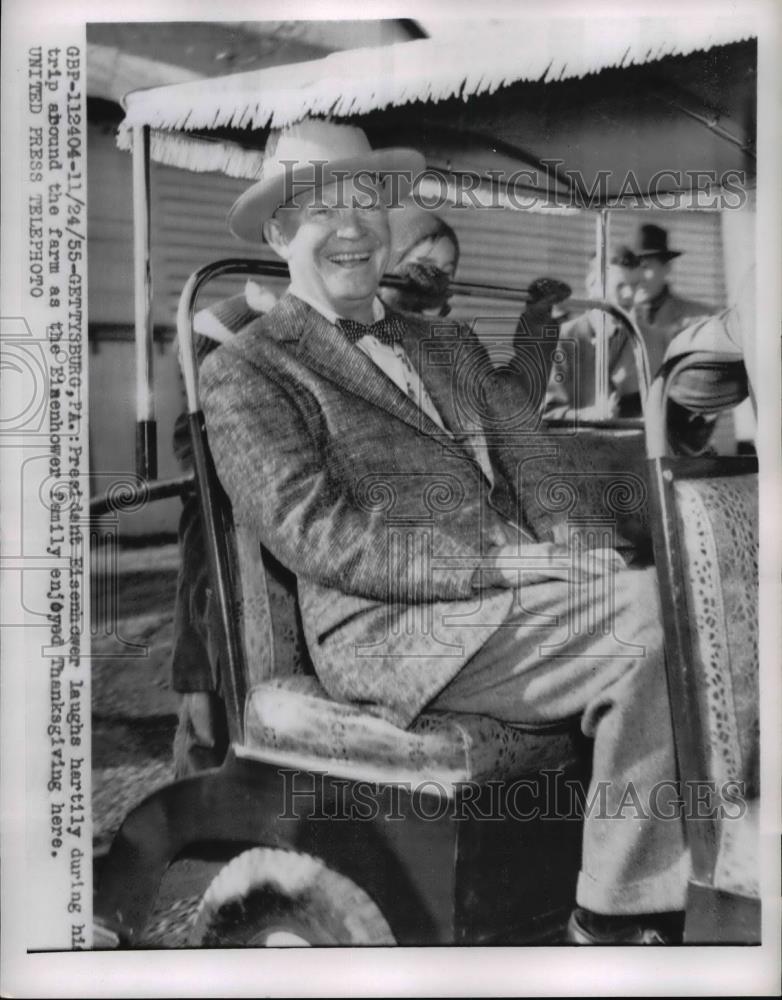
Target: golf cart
[[328, 825]]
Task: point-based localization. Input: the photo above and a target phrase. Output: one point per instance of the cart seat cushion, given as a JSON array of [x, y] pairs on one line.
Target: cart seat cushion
[[718, 522], [293, 722], [719, 528]]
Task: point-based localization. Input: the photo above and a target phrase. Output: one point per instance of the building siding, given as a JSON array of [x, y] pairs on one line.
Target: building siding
[[500, 247]]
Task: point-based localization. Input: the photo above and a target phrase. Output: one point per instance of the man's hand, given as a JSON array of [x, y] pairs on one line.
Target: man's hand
[[514, 566], [427, 286]]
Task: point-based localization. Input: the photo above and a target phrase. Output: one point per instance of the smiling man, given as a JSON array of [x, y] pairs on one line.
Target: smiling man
[[336, 247], [332, 421]]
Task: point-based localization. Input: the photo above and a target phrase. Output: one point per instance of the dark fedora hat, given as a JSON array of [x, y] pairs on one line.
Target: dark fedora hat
[[652, 241]]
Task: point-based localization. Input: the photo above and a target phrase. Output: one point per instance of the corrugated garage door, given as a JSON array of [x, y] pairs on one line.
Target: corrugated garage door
[[188, 231], [506, 247], [499, 246]]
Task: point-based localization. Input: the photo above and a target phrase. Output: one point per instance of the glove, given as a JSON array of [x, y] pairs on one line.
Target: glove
[[427, 286]]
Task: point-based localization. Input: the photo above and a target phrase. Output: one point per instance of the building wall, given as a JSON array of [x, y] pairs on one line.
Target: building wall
[[506, 247], [188, 230], [499, 247]]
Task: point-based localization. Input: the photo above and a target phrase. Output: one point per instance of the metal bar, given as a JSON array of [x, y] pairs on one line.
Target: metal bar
[[601, 353], [214, 514], [216, 525], [186, 311], [711, 117], [640, 353], [146, 431], [276, 269], [161, 490]]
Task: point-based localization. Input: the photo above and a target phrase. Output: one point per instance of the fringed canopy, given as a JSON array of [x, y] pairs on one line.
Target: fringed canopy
[[368, 82]]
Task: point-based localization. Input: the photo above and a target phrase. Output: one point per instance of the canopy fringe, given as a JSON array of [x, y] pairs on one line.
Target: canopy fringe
[[199, 155], [358, 81], [361, 80]]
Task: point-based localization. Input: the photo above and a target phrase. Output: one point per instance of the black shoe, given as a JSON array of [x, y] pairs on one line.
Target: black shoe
[[585, 927]]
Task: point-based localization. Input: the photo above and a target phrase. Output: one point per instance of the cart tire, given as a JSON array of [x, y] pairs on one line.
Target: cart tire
[[268, 898]]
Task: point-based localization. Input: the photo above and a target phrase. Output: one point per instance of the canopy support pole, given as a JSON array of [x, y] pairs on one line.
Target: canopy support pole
[[601, 354], [146, 429]]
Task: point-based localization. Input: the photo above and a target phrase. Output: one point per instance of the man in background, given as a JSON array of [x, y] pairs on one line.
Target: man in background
[[659, 312], [571, 388], [638, 281]]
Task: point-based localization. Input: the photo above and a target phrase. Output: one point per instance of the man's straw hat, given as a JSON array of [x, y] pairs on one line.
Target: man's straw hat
[[313, 154]]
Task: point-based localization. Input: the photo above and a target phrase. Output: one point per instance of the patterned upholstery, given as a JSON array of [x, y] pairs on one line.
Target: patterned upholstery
[[269, 613], [290, 720], [293, 722], [718, 523]]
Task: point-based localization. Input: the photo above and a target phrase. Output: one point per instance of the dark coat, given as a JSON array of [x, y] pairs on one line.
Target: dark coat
[[572, 383]]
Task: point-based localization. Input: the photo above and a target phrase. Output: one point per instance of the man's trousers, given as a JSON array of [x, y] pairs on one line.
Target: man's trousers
[[595, 651]]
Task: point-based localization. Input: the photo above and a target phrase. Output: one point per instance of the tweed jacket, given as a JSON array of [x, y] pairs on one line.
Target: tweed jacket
[[381, 514]]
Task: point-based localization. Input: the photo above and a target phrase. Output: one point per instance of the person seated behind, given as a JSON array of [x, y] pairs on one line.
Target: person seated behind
[[425, 251], [317, 401]]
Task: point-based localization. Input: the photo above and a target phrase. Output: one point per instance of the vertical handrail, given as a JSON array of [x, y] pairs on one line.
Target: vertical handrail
[[146, 432], [640, 353], [601, 345], [214, 512]]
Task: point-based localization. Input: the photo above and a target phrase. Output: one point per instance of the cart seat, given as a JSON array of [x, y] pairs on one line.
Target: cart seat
[[706, 540], [717, 518], [291, 721]]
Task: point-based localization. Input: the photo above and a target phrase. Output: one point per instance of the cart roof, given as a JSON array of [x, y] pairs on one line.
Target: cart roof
[[641, 96]]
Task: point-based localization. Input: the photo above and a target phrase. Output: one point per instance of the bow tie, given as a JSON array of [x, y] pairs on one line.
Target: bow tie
[[390, 330]]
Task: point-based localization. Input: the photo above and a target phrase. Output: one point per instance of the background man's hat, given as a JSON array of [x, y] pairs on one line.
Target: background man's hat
[[652, 241], [313, 154]]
